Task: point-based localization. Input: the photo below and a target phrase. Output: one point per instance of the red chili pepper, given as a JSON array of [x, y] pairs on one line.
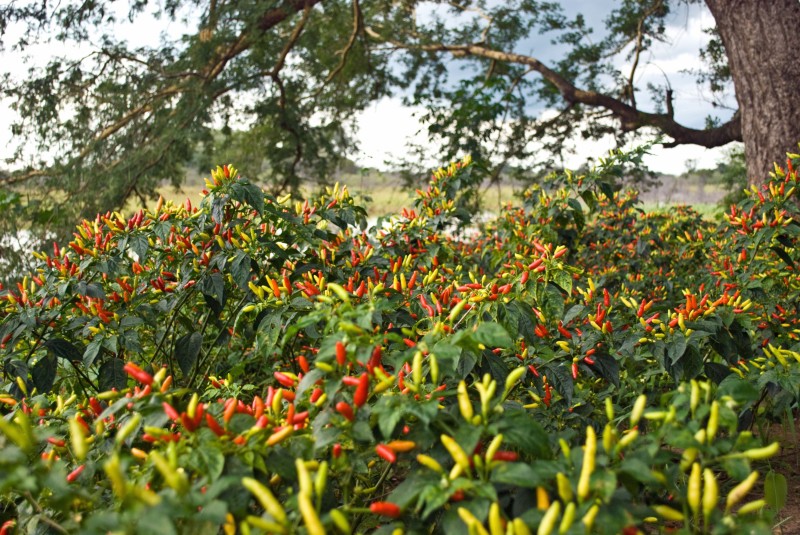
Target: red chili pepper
[[535, 264], [589, 361], [97, 407], [386, 453], [362, 289], [287, 284], [72, 476], [606, 298], [524, 278], [284, 379], [300, 417], [303, 363], [349, 380], [389, 509], [375, 359], [170, 411], [563, 331], [57, 442], [188, 423], [574, 370], [337, 450], [315, 395], [5, 529], [230, 409], [505, 455], [214, 426], [362, 390], [137, 373], [345, 410], [341, 353]]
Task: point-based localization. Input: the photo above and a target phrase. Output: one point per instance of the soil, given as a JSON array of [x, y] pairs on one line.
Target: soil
[[788, 464]]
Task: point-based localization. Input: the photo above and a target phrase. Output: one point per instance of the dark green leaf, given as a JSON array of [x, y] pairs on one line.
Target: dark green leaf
[[43, 373], [65, 350], [111, 375], [187, 348]]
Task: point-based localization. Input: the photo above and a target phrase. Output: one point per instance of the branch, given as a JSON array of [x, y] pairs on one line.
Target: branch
[[639, 39], [269, 19], [358, 25], [629, 117], [275, 75]]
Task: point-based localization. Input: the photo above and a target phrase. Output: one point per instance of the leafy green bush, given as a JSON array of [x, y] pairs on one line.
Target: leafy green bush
[[575, 366]]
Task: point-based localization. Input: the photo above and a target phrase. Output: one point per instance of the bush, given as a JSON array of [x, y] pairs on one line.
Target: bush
[[253, 364]]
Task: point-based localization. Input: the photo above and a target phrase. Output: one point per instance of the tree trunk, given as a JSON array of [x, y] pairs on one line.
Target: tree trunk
[[762, 41]]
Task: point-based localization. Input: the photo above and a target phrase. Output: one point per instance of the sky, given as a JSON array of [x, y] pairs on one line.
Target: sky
[[380, 144], [685, 28]]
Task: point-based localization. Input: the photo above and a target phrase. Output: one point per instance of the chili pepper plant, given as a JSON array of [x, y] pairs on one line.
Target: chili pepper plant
[[260, 365]]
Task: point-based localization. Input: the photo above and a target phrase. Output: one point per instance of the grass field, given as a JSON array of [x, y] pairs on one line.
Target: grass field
[[385, 194]]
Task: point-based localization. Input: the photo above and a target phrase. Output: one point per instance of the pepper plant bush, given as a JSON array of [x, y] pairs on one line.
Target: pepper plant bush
[[256, 365]]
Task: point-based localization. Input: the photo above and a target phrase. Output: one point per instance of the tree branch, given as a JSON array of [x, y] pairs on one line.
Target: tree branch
[[358, 25], [629, 117], [270, 19]]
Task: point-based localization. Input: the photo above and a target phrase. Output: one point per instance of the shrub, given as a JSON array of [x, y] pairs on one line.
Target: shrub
[[254, 364]]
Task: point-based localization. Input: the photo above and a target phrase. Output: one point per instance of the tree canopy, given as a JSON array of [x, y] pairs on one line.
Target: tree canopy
[[283, 80]]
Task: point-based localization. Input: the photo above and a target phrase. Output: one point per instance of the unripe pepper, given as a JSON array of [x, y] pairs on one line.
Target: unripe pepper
[[309, 514], [564, 487], [713, 420], [464, 403], [265, 497], [740, 491], [456, 452], [589, 454], [710, 493], [549, 519], [77, 435], [693, 489]]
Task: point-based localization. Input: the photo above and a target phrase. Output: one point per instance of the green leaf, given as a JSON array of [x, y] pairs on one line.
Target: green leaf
[[607, 367], [564, 280], [676, 347], [524, 475], [523, 432], [138, 244], [187, 348], [43, 373], [493, 335], [775, 490], [562, 381], [210, 459], [240, 269], [552, 302], [65, 350], [245, 192], [781, 252], [716, 372], [112, 375], [741, 390], [92, 350]]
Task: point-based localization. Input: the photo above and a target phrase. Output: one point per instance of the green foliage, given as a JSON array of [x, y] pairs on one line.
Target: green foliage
[[251, 363], [276, 87]]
